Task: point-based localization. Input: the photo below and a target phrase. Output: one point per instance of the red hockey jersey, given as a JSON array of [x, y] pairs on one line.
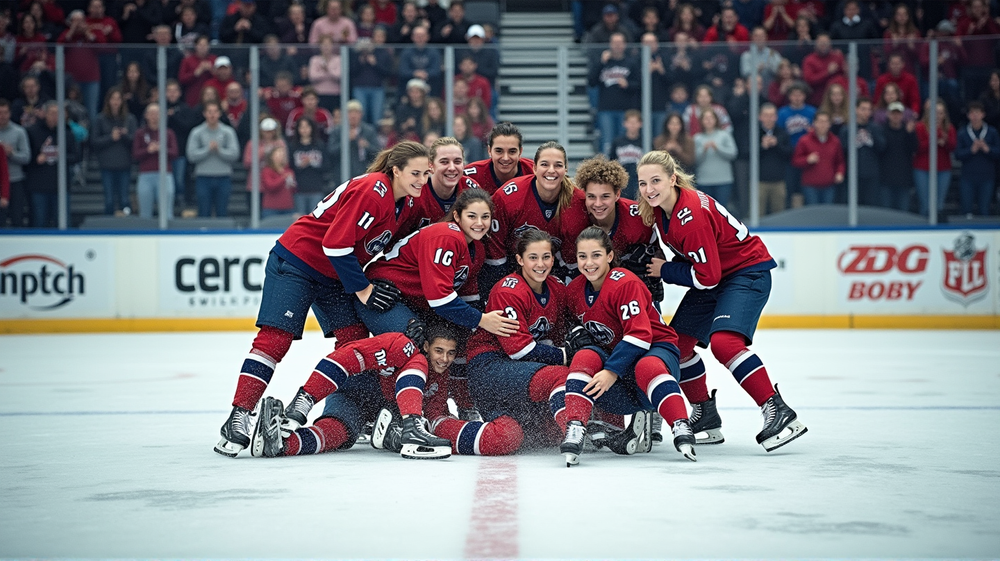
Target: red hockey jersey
[[429, 208], [627, 231], [518, 208], [540, 317], [357, 219], [482, 172], [714, 242]]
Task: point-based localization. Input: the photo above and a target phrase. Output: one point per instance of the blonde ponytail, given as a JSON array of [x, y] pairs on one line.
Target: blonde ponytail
[[670, 167]]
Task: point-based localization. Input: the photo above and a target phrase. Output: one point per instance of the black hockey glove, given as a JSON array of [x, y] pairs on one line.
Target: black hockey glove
[[415, 329], [384, 296], [637, 258], [577, 339], [655, 286]]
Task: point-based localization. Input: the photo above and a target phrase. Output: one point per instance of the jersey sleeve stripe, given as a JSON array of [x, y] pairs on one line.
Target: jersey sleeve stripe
[[521, 353], [698, 285], [636, 341], [471, 298], [442, 301], [496, 262], [338, 251]]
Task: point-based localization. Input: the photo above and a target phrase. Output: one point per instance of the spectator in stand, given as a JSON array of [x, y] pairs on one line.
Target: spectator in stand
[[870, 142], [990, 98], [473, 147], [30, 52], [946, 141], [180, 119], [890, 95], [750, 12], [434, 13], [896, 74], [325, 69], [410, 110], [611, 23], [283, 98], [146, 153], [679, 99], [234, 104], [453, 29], [778, 20], [275, 60], [617, 77], [795, 118], [479, 119], [420, 61], [627, 150], [333, 24], [371, 66], [775, 151], [385, 12], [51, 18], [714, 151], [728, 29], [821, 158], [951, 57], [111, 141], [363, 146], [196, 70], [836, 105], [17, 153], [802, 43], [777, 90], [760, 59], [222, 76], [213, 149], [980, 58], [293, 29], [903, 37], [134, 90], [738, 108], [311, 110], [478, 86], [410, 19], [896, 171], [148, 57], [277, 185], [487, 59], [107, 57], [651, 23], [720, 66], [704, 100], [686, 21], [175, 11], [660, 88], [8, 42], [860, 27], [311, 163], [188, 28], [82, 63], [682, 64], [139, 19], [978, 148], [675, 140], [270, 139], [366, 22], [822, 66], [433, 119], [42, 172]]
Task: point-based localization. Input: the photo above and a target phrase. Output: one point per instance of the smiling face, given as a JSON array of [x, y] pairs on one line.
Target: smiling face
[[536, 262], [475, 220], [600, 201], [593, 260], [411, 179], [549, 172], [505, 152], [440, 354], [655, 186], [447, 166]]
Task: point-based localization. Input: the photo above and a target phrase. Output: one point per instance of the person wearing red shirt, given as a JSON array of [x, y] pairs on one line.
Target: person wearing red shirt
[[81, 59], [222, 76], [729, 29], [277, 184], [896, 73], [979, 47], [820, 156], [443, 187], [779, 19], [98, 21], [505, 162], [311, 110], [947, 139], [196, 71], [478, 85], [283, 98], [821, 66], [728, 274], [385, 12]]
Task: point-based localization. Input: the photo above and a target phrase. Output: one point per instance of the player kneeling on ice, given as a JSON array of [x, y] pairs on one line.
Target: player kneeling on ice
[[357, 380], [633, 366], [728, 271]]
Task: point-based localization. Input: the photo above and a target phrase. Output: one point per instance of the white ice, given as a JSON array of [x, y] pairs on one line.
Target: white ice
[[106, 451]]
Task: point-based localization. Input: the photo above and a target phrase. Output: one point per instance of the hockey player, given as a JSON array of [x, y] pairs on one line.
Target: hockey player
[[505, 162], [357, 380], [318, 263], [633, 367], [728, 272], [443, 186]]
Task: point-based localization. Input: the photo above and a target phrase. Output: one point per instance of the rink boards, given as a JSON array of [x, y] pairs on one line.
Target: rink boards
[[914, 278]]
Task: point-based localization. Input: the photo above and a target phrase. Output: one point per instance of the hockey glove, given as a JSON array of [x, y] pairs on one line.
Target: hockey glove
[[655, 286], [470, 415], [577, 339], [384, 296], [415, 329], [637, 258]]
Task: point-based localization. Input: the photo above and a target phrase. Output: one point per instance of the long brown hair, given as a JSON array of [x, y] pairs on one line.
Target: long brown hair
[[566, 188], [597, 234], [466, 199], [122, 109], [397, 156], [930, 112], [670, 167]]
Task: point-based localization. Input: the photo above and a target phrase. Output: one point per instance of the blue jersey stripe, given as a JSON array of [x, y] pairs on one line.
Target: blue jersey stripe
[[466, 444], [746, 367], [332, 371], [257, 369]]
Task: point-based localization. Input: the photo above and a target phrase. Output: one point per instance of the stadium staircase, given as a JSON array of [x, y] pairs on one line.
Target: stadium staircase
[[528, 82]]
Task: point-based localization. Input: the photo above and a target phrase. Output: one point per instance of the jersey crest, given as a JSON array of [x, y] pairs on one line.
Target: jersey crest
[[378, 244], [522, 229], [601, 332], [461, 275], [540, 329]]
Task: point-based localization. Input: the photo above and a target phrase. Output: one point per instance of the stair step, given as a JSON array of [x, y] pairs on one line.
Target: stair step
[[545, 117], [548, 131], [543, 19], [508, 71], [566, 32]]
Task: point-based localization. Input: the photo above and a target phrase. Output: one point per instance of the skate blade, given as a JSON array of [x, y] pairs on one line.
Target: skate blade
[[688, 452], [572, 459], [418, 452], [791, 431], [228, 449], [711, 436]]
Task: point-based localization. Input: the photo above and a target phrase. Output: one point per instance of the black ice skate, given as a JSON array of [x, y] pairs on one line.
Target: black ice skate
[[656, 432], [418, 444], [297, 411], [781, 424], [633, 439], [386, 432], [235, 433], [572, 445], [366, 434], [684, 439], [705, 419], [266, 441]]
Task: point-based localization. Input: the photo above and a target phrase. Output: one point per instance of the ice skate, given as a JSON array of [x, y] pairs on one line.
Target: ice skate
[[705, 420], [656, 431], [386, 432], [781, 424], [572, 445], [684, 439], [418, 444], [266, 441], [366, 434], [297, 411], [235, 433], [633, 439]]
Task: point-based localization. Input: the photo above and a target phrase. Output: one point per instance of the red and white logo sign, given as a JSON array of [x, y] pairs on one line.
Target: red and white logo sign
[[965, 279], [880, 260]]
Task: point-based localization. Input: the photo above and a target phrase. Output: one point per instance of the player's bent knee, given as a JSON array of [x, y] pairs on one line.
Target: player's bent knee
[[726, 345], [587, 361], [501, 437], [273, 342]]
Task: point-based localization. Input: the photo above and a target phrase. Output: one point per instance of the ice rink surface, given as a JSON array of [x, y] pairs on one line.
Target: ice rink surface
[[106, 451]]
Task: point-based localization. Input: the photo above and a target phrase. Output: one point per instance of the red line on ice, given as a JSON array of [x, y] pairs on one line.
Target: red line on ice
[[493, 524]]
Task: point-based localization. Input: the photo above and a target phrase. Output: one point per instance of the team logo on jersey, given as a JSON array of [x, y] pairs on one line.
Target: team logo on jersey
[[540, 329], [461, 275], [423, 222], [522, 229], [965, 271], [602, 333], [378, 244]]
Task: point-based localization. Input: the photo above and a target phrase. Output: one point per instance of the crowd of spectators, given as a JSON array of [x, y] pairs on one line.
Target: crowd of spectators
[[113, 80], [705, 52]]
